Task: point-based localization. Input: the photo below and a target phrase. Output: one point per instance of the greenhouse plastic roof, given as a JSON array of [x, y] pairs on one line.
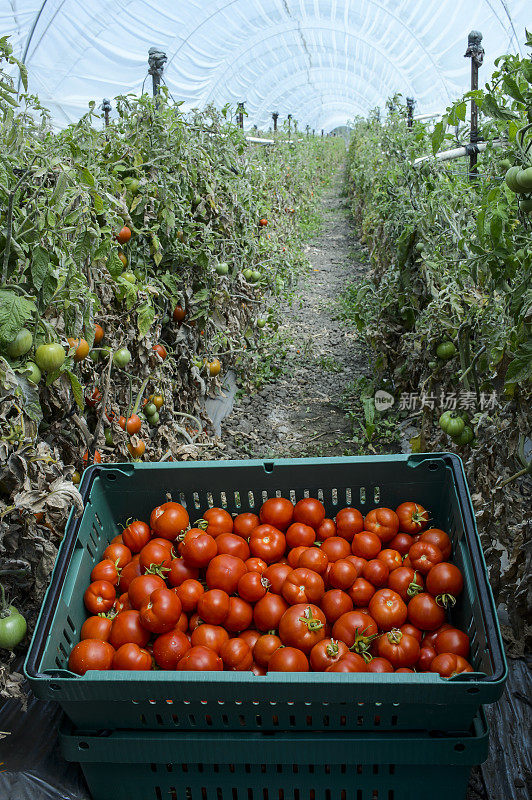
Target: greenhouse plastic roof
[[323, 61]]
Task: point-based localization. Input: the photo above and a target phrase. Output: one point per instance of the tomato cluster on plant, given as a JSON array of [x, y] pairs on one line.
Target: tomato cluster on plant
[[287, 590]]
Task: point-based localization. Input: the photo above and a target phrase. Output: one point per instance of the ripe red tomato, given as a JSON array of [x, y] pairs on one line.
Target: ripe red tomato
[[130, 571], [288, 659], [236, 655], [118, 553], [105, 571], [382, 521], [349, 521], [366, 545], [413, 518], [401, 649], [277, 512], [429, 637], [96, 628], [439, 538], [256, 669], [198, 548], [169, 648], [402, 542], [380, 664], [155, 554], [425, 613], [169, 520], [309, 511], [201, 659], [342, 574], [445, 582], [256, 565], [268, 612], [406, 582], [449, 664], [127, 627], [358, 562], [213, 606], [361, 592], [293, 556], [315, 559], [213, 636], [131, 656], [161, 351], [302, 626], [326, 653], [392, 558], [276, 574], [232, 545], [265, 647], [355, 629], [122, 603], [244, 523], [219, 521], [160, 611], [124, 235], [133, 425], [239, 616], [268, 543], [140, 588], [180, 571], [300, 535], [376, 572], [224, 572], [451, 640], [303, 586], [182, 623], [136, 535], [90, 654], [252, 586], [334, 603], [424, 555], [411, 630], [388, 609], [326, 529], [427, 654], [189, 592], [99, 596], [350, 662], [336, 548]]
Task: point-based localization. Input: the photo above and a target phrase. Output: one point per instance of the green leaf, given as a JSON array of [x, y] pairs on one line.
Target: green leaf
[[30, 393], [145, 317], [77, 390], [490, 107], [513, 89], [98, 202], [437, 137], [40, 265], [82, 248], [496, 225], [7, 97], [23, 74], [15, 311], [87, 177], [114, 265], [59, 188]]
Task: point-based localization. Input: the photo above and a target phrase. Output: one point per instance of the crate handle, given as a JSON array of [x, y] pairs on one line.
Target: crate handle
[[52, 596], [268, 466], [486, 604]]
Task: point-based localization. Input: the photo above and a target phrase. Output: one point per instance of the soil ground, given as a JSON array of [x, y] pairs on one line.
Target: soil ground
[[301, 414]]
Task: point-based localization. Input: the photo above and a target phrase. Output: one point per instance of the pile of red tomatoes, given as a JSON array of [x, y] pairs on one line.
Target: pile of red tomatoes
[[288, 590]]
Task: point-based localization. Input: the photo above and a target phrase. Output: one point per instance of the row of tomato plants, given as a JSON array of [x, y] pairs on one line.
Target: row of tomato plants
[[139, 262], [446, 306]]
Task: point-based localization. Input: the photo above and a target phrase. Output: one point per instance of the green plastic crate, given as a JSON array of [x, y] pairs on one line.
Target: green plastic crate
[[238, 701], [134, 765]]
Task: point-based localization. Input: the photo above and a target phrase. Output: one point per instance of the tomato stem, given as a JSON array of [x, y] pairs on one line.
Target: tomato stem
[[446, 600]]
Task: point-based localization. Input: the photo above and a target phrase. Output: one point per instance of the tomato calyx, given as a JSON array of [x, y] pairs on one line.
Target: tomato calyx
[[332, 649], [414, 587], [312, 623], [446, 600], [362, 644], [157, 569], [265, 582], [202, 524], [394, 636]]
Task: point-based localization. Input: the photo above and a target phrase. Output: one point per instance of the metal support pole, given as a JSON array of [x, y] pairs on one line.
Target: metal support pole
[[240, 115], [307, 128], [275, 117], [475, 52], [322, 133], [314, 131], [289, 125], [106, 108], [156, 60], [410, 103]]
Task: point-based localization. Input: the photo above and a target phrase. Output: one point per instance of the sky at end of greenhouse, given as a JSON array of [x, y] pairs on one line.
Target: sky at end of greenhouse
[[322, 61]]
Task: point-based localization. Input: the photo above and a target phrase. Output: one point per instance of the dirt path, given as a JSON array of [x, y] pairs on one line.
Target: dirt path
[[300, 413]]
